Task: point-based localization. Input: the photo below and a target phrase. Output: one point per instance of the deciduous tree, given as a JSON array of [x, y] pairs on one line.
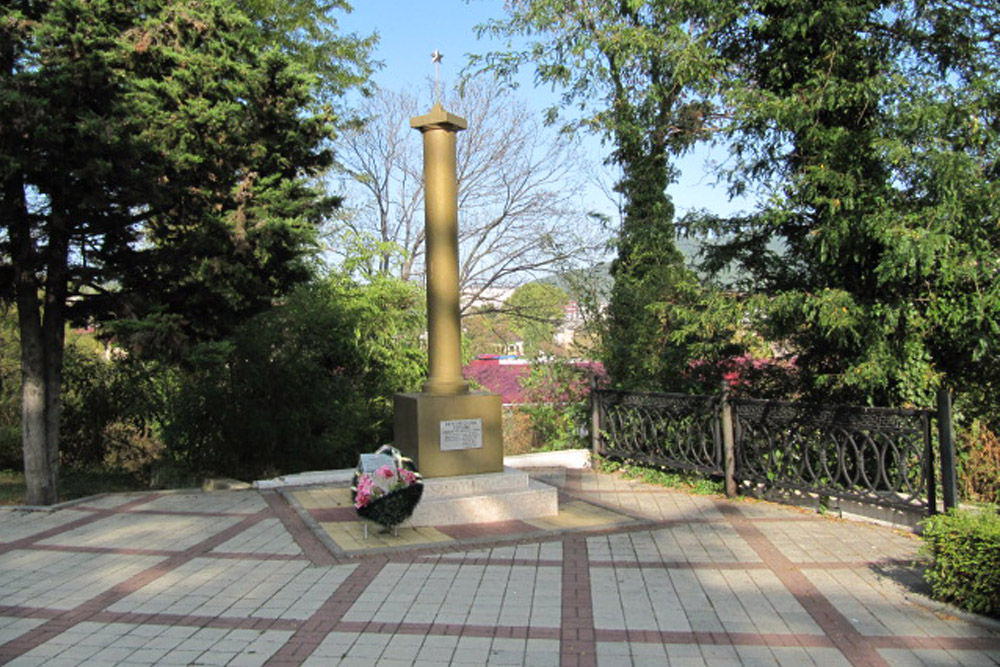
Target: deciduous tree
[[641, 75], [535, 310], [520, 214]]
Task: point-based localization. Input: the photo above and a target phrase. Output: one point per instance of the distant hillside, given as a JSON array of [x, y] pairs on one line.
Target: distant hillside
[[579, 283], [692, 248], [598, 277]]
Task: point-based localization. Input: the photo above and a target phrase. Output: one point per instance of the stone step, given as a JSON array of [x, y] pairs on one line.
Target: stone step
[[450, 501], [475, 485]]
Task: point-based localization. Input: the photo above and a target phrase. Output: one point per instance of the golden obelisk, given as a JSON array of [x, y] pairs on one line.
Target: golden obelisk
[[446, 429]]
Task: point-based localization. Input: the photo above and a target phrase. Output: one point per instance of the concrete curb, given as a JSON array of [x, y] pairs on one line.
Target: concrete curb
[[571, 459]]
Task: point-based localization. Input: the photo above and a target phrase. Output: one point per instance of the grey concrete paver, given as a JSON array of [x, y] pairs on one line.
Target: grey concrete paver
[[876, 607], [228, 502], [449, 593], [230, 578], [832, 541], [940, 657], [630, 653], [535, 552], [243, 589], [108, 644], [64, 579], [701, 543], [19, 524], [143, 531], [110, 501], [638, 498], [267, 537], [12, 628], [332, 649]]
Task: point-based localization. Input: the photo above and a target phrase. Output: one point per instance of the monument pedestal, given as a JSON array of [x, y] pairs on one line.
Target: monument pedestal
[[486, 498], [448, 435]]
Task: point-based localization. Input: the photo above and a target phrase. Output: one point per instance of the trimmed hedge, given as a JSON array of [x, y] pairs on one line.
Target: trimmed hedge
[[966, 568]]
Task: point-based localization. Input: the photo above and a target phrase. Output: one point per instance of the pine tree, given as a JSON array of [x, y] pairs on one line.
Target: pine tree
[[156, 166], [871, 128]]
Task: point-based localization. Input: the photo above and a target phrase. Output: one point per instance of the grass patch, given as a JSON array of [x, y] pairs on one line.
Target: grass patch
[[72, 484], [671, 479]]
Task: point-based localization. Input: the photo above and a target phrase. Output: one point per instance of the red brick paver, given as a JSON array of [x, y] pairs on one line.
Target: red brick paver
[[244, 577]]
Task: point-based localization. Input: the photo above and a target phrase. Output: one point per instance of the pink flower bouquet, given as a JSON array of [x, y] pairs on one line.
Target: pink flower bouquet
[[386, 487]]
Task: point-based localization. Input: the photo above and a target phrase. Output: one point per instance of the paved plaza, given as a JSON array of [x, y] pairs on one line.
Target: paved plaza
[[628, 574]]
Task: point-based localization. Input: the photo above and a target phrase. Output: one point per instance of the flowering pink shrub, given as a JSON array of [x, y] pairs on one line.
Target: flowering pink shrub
[[772, 377]]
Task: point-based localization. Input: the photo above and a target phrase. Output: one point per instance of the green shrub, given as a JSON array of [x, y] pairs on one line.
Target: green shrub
[[10, 389], [965, 547], [303, 386], [557, 404], [10, 447], [112, 411]]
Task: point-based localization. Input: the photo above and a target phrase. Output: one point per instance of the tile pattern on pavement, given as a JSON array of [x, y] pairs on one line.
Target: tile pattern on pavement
[[333, 510], [628, 574]]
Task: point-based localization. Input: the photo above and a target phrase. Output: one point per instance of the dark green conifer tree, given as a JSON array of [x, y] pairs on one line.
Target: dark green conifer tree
[[157, 164]]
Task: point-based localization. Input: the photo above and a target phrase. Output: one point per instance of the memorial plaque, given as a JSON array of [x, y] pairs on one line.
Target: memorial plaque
[[461, 434]]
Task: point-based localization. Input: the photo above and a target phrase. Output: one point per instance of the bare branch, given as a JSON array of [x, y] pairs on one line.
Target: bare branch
[[520, 213]]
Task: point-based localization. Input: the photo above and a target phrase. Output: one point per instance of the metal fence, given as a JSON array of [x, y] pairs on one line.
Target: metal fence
[[677, 430], [873, 455]]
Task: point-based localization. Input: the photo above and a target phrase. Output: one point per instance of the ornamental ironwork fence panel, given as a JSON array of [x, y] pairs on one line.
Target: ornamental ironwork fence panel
[[671, 430], [872, 455]]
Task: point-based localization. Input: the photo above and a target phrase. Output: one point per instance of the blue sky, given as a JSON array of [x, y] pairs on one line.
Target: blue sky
[[410, 30]]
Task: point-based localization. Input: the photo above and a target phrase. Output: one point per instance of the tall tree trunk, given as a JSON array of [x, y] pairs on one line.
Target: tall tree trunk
[[54, 333], [41, 476], [40, 466]]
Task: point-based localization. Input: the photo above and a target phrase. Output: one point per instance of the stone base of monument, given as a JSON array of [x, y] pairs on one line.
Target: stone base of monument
[[484, 498], [450, 435]]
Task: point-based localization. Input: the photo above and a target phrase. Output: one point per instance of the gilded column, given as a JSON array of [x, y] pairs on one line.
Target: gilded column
[[444, 334]]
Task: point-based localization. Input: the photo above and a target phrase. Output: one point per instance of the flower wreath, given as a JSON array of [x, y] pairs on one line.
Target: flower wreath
[[389, 494]]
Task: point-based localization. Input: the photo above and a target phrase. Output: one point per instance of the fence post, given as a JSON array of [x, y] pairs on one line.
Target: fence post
[[728, 457], [595, 420], [946, 440]]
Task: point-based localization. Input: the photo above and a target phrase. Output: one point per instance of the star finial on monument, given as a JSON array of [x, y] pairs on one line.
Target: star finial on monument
[[436, 57]]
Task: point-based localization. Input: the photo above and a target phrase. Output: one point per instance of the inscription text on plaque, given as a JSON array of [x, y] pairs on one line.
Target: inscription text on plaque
[[461, 434]]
